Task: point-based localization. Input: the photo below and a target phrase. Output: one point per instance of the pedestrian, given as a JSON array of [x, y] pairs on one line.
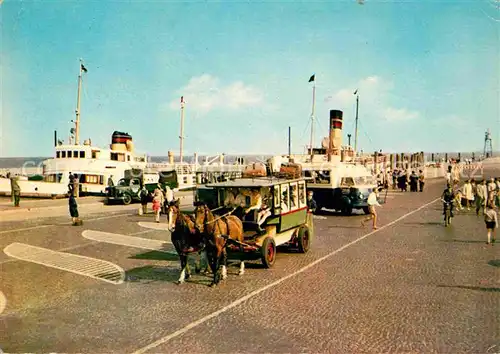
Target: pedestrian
[[311, 203], [71, 183], [497, 199], [76, 186], [468, 195], [372, 202], [413, 182], [16, 190], [491, 187], [491, 221], [169, 197], [110, 181], [421, 180], [481, 194], [144, 195], [157, 203], [73, 210], [395, 179], [11, 188], [448, 177]]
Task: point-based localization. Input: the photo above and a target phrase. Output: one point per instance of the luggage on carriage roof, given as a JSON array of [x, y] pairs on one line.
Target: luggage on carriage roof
[[290, 170]]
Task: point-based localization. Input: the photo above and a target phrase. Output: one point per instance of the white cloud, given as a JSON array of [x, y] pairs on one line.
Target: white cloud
[[397, 115], [205, 93], [375, 96]]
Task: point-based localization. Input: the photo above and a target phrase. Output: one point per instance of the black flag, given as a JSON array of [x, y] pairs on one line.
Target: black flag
[[312, 78], [83, 68]]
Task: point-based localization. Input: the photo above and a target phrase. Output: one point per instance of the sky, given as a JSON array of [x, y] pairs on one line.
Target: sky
[[427, 74]]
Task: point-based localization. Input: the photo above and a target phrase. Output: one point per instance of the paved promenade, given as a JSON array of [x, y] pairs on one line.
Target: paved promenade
[[109, 287]]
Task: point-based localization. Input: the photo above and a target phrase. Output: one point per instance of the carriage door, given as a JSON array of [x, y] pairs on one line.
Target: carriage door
[[294, 196], [302, 194]]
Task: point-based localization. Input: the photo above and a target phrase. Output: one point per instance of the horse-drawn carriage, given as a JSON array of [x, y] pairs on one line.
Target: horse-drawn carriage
[[273, 211]]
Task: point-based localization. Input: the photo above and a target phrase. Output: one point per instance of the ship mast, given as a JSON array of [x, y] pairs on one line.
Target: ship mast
[[77, 120], [356, 128], [313, 79], [181, 137]]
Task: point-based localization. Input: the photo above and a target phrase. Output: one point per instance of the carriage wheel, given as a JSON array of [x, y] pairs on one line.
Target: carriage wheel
[[268, 252], [304, 239]]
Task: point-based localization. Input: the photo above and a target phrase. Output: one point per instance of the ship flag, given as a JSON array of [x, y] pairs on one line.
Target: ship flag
[[355, 92], [84, 69], [312, 78]]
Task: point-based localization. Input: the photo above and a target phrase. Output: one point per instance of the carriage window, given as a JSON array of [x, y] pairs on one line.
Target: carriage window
[[101, 179], [276, 203], [294, 197], [285, 200], [82, 154], [94, 154], [63, 154], [302, 194], [58, 154], [68, 154]]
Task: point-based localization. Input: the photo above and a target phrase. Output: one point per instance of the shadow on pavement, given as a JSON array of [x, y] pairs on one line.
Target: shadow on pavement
[[157, 256], [492, 290], [153, 273], [494, 263], [435, 223], [464, 241]]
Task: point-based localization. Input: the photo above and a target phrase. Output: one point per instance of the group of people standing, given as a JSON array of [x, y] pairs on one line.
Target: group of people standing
[[485, 196], [401, 179], [480, 193], [161, 197]]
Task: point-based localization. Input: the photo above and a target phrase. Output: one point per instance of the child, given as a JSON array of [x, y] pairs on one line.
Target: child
[[157, 203], [73, 210], [491, 221], [372, 202], [458, 200]]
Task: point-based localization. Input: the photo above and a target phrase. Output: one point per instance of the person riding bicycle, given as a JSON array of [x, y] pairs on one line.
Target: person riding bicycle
[[448, 197]]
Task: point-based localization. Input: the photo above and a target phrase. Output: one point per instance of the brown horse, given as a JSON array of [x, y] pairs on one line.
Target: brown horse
[[217, 230], [185, 238]]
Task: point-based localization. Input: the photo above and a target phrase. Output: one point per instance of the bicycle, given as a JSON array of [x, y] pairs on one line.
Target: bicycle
[[447, 212]]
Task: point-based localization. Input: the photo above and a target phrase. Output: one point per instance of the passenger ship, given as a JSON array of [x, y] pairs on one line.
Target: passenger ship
[[94, 166]]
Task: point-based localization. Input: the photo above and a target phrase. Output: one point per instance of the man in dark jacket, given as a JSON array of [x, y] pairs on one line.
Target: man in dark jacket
[[448, 197], [413, 182], [73, 210]]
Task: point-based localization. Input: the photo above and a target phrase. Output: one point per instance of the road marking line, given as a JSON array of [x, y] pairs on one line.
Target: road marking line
[[319, 217], [79, 246], [153, 225], [68, 223], [3, 302], [25, 229], [82, 265], [124, 240], [273, 284]]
